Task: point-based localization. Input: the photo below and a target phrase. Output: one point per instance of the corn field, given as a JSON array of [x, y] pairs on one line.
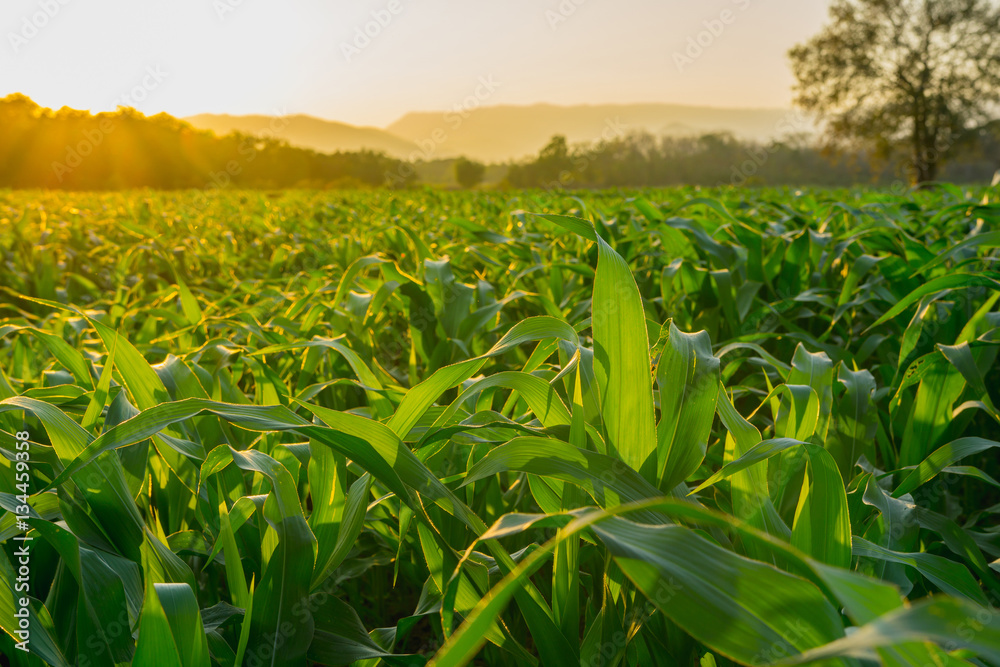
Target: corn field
[[662, 427]]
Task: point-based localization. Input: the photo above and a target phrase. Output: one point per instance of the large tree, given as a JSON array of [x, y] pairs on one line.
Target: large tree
[[918, 75]]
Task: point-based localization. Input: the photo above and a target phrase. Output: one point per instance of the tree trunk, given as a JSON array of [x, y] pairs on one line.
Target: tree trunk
[[925, 169], [925, 158], [930, 170]]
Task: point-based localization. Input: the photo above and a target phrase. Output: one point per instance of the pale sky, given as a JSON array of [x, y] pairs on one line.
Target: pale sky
[[304, 56]]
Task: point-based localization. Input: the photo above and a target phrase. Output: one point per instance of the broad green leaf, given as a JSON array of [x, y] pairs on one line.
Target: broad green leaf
[[609, 481], [822, 527], [950, 622], [950, 281], [688, 380], [420, 398], [949, 576], [170, 628], [940, 459], [621, 363]]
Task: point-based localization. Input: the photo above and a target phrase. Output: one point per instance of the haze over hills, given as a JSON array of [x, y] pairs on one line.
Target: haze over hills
[[502, 133], [510, 132], [325, 136]]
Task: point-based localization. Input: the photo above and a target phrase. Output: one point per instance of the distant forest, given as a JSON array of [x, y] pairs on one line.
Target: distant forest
[[75, 150], [719, 159]]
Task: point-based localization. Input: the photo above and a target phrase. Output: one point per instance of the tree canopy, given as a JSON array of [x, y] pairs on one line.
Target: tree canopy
[[892, 75]]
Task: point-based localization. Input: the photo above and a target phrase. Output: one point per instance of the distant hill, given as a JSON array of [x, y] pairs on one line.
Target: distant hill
[[71, 149], [325, 136], [511, 132], [502, 133]]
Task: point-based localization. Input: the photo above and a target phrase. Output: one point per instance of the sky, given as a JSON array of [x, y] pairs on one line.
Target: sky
[[369, 62]]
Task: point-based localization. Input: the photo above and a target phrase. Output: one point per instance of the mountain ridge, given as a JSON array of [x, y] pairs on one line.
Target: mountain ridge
[[305, 131], [502, 133]]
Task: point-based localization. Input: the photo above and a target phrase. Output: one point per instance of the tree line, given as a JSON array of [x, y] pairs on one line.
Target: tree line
[[640, 159], [76, 150], [904, 90]]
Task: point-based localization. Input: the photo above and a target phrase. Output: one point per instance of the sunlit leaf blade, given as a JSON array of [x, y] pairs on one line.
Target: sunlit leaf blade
[[621, 362], [936, 619], [688, 380], [170, 628]]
